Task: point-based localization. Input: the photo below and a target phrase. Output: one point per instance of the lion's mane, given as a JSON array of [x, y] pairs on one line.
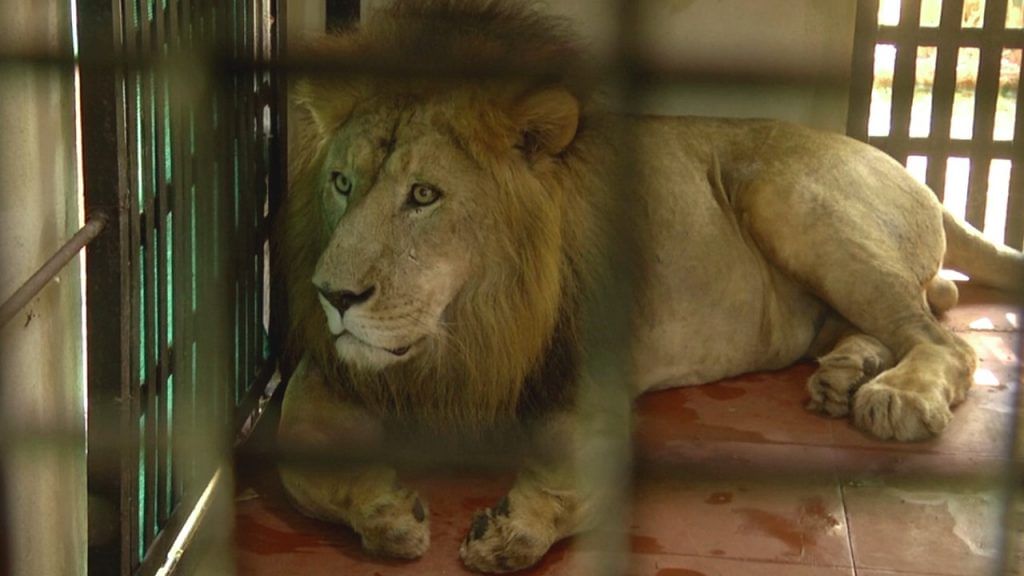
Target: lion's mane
[[512, 348]]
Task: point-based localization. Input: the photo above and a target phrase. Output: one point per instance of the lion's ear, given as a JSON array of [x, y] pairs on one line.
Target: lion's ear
[[328, 104], [547, 121]]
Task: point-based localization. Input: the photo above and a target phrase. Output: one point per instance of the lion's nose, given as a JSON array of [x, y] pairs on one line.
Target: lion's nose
[[342, 300]]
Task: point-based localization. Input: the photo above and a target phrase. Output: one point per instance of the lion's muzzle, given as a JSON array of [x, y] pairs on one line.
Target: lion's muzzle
[[336, 302]]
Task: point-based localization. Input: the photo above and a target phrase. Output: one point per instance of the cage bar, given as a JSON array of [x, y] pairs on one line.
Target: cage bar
[[903, 83], [109, 271]]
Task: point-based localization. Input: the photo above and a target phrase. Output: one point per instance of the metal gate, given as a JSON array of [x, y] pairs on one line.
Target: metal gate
[[181, 146], [935, 84]]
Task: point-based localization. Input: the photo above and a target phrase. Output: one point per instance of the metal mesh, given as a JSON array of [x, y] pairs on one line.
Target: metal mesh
[[182, 131]]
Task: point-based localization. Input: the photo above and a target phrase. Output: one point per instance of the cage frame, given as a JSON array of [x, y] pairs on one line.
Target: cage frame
[[113, 289]]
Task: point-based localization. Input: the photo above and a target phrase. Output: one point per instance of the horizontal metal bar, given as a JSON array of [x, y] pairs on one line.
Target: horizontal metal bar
[[967, 37], [52, 267], [999, 149], [640, 71]]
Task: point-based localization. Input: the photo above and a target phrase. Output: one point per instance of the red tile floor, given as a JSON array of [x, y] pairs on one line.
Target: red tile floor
[[735, 478]]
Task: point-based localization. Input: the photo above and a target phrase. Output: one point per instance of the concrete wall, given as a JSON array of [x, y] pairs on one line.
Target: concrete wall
[[802, 47], [41, 378]]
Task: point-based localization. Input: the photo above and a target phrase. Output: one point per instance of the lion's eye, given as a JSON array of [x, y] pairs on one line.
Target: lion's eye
[[422, 195], [341, 183]]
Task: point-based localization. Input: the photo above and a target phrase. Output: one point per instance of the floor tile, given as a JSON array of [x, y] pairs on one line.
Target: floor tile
[[867, 572], [273, 539], [744, 501], [764, 407], [661, 565], [983, 309], [923, 514]]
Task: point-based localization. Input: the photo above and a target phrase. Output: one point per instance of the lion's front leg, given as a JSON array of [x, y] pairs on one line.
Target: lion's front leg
[[544, 506], [391, 520]]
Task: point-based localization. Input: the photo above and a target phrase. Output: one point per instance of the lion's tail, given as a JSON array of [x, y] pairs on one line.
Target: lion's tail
[[986, 263]]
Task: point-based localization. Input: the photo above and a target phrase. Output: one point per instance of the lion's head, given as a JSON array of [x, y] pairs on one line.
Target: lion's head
[[434, 229]]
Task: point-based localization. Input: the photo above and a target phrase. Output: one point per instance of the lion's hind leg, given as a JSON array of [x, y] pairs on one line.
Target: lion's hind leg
[[904, 371], [908, 400], [875, 268], [871, 286]]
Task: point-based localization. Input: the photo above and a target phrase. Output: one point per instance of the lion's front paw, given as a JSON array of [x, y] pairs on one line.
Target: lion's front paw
[[498, 541], [396, 525], [838, 377], [889, 412]]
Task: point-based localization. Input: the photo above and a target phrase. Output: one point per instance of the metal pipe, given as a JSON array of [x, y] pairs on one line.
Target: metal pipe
[[1007, 560], [52, 267]]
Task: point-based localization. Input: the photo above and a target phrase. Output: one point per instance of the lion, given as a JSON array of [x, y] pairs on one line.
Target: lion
[[442, 235]]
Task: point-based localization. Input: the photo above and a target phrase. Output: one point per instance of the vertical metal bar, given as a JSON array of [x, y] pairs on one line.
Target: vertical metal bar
[[256, 206], [189, 179], [205, 128], [237, 134], [234, 187], [903, 83], [6, 539], [162, 209], [977, 183], [277, 170], [133, 48], [149, 293], [222, 224], [1015, 205], [249, 192], [943, 89], [180, 271], [109, 272], [863, 69], [253, 193], [1008, 561], [986, 95], [257, 180], [605, 371]]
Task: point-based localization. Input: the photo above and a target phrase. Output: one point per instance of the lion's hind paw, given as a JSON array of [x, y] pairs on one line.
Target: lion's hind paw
[[889, 412], [838, 377], [854, 361]]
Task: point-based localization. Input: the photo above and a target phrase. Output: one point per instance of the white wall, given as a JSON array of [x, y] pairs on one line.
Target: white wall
[[811, 40], [802, 47], [41, 381], [305, 17]]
